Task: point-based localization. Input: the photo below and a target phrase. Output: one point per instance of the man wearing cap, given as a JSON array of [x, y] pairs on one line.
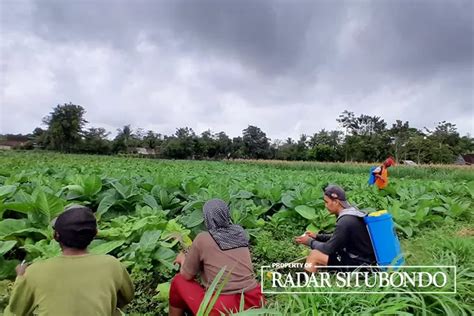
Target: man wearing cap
[[76, 282], [350, 243]]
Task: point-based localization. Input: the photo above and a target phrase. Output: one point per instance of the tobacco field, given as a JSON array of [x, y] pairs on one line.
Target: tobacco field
[[148, 210]]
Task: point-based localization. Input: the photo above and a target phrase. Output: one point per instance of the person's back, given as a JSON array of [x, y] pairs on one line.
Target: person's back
[[357, 240], [75, 283], [72, 285], [223, 245], [207, 256]]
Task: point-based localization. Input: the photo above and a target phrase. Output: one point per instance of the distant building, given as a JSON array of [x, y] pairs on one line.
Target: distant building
[[467, 159], [409, 163], [145, 151], [12, 141]]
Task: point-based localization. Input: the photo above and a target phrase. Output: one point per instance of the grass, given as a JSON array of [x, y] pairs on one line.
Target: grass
[[429, 172], [447, 245]]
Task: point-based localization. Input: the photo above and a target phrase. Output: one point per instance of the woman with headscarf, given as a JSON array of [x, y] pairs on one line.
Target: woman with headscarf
[[222, 245]]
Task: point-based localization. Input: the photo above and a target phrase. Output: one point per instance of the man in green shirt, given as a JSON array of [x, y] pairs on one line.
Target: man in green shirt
[[75, 283]]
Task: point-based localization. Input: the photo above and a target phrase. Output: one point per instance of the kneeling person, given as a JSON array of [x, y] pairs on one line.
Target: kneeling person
[[350, 243]]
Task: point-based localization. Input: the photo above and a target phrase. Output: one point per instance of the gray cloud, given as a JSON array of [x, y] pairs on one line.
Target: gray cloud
[[287, 67]]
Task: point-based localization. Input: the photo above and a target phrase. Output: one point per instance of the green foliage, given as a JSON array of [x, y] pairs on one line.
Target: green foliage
[[366, 138], [65, 125], [255, 143], [446, 245], [150, 210], [266, 248], [124, 140], [5, 290], [95, 141], [145, 302]]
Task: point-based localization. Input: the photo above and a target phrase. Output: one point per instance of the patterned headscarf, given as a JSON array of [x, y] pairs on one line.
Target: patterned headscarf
[[218, 223]]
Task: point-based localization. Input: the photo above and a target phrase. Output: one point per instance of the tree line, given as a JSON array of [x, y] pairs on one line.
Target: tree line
[[363, 138]]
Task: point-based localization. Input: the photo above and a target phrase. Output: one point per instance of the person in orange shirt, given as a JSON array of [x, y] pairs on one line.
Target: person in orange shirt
[[380, 174]]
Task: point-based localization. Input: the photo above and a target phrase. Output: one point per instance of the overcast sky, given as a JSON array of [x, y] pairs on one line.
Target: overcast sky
[[288, 67]]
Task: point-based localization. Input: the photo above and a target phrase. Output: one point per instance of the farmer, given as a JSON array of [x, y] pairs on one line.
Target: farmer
[[379, 175], [223, 245], [76, 282], [350, 243]]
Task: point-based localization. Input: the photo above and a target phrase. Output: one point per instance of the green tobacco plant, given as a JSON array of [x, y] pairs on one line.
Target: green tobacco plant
[[148, 211]]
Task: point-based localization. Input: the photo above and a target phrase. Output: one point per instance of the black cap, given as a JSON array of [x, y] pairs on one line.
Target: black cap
[[337, 193], [76, 226]]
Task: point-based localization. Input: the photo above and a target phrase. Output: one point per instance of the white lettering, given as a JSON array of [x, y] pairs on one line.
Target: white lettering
[[276, 277], [435, 280]]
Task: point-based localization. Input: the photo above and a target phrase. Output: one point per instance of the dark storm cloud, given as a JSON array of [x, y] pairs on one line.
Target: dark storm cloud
[[291, 63]]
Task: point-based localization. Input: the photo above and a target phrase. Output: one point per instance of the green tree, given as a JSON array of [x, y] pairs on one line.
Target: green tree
[[65, 125], [95, 141], [363, 125], [40, 137], [445, 142], [301, 150], [366, 137], [442, 153], [125, 140], [321, 152], [466, 145], [237, 150], [256, 145], [224, 145], [152, 140], [417, 148], [445, 133], [326, 146], [285, 150], [181, 145], [205, 146]]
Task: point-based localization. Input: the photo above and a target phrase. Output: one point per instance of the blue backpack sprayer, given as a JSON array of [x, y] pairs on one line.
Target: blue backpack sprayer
[[384, 239]]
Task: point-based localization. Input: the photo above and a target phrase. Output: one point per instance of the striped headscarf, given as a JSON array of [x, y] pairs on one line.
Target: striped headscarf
[[218, 223]]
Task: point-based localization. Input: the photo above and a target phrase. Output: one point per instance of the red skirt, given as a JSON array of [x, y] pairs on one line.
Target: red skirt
[[188, 295]]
